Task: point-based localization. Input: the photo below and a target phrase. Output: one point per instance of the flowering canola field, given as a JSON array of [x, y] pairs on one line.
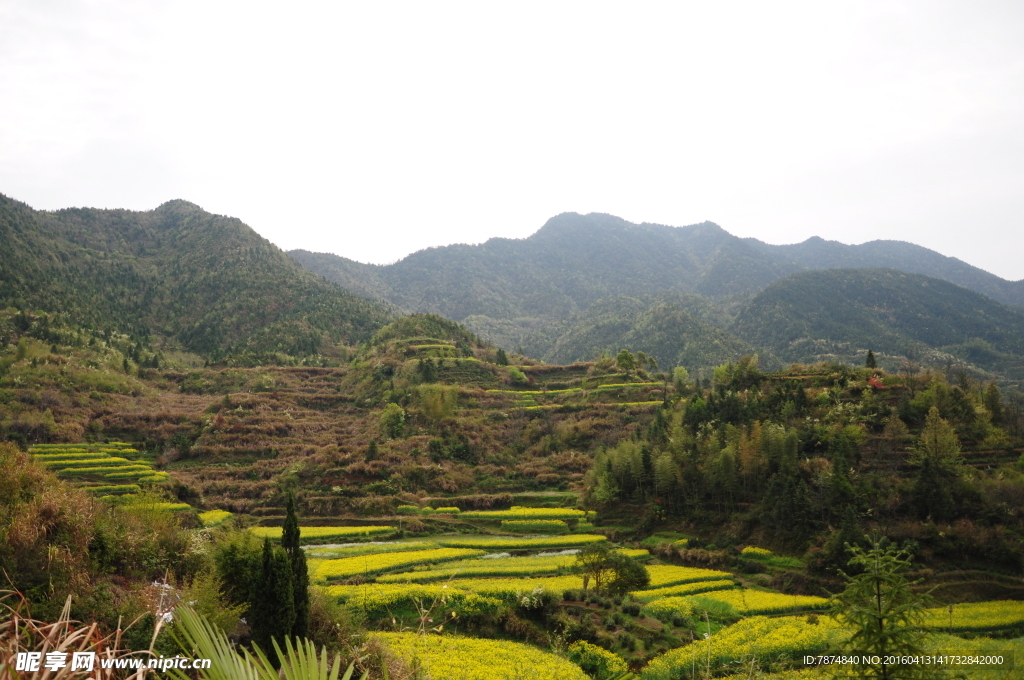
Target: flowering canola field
[[329, 551], [380, 599], [323, 533], [512, 543], [667, 575], [501, 566], [682, 589], [510, 588], [525, 513], [347, 567], [976, 616], [759, 636], [460, 658], [750, 602]]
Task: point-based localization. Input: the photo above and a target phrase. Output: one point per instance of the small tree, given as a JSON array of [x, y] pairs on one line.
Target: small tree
[[502, 357], [593, 562], [610, 570], [625, 361], [627, 574], [993, 399], [371, 451], [939, 446], [681, 379], [883, 613], [870, 361], [392, 421]]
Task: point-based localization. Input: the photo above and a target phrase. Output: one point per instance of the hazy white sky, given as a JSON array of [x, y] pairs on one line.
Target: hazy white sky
[[374, 129]]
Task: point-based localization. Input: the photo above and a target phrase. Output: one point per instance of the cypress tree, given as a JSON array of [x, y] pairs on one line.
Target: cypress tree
[[300, 576], [870, 362], [273, 606], [371, 451]]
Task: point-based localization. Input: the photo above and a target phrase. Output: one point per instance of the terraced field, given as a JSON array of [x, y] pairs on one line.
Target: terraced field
[[110, 469]]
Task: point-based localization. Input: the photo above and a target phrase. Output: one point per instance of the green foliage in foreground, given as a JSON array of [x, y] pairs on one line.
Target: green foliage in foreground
[[297, 660]]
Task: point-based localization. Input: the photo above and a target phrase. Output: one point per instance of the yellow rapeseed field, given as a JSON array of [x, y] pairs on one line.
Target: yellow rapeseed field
[[212, 518], [501, 566], [324, 533], [525, 513], [748, 602], [510, 543], [379, 599], [976, 616], [445, 657], [681, 589], [509, 588], [758, 637], [347, 567], [371, 548], [667, 575]]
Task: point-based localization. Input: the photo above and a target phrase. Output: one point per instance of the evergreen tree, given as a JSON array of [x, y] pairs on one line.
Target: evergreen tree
[[272, 613], [290, 535], [502, 357], [939, 445], [835, 552], [993, 400], [371, 451], [884, 615], [870, 361], [930, 494]]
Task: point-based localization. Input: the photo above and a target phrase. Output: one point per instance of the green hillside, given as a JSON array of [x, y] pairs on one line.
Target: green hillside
[[842, 313], [660, 326], [208, 283]]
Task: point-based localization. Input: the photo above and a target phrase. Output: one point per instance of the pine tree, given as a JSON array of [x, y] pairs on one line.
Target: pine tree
[[273, 606], [994, 403], [870, 361], [290, 535], [884, 614], [939, 445], [502, 357], [371, 451]]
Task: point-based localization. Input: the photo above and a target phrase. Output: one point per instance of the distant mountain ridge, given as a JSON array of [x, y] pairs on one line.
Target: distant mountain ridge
[[596, 255], [817, 253], [551, 293]]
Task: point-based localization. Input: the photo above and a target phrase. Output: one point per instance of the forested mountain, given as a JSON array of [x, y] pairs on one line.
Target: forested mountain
[[667, 327], [672, 291], [206, 281], [841, 313]]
